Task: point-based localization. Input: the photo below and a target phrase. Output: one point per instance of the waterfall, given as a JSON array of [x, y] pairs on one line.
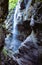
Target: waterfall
[[19, 17]]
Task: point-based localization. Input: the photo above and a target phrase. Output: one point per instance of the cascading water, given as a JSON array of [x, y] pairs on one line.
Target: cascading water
[[19, 17]]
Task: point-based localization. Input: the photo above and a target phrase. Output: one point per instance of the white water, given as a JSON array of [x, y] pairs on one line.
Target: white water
[[19, 14], [18, 19]]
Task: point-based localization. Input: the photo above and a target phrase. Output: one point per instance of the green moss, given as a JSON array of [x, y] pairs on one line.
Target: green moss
[[12, 4], [4, 52]]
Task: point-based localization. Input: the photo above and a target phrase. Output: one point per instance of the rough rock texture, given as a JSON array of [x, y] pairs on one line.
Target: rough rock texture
[[3, 10], [3, 15], [28, 51]]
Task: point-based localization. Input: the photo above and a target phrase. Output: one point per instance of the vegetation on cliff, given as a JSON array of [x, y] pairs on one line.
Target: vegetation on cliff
[[12, 4]]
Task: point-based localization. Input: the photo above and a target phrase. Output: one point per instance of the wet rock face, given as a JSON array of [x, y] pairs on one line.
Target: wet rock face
[[24, 30], [38, 21], [23, 4]]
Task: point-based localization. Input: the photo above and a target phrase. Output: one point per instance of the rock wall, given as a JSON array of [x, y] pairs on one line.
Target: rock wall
[[3, 9]]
